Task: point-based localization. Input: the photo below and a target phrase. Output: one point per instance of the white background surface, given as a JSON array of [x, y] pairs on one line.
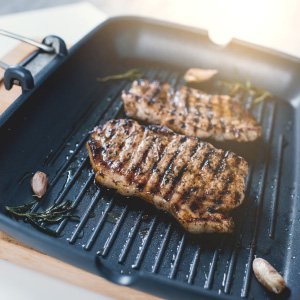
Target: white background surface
[[18, 283], [271, 23], [70, 22]]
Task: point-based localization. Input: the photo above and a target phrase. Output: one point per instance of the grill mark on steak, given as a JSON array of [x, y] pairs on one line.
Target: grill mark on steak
[[182, 124], [153, 169], [237, 197], [238, 160], [223, 127], [209, 107], [165, 172], [96, 150], [173, 111], [221, 164], [229, 180], [120, 163], [112, 132], [187, 194], [169, 168], [215, 174], [154, 95], [145, 153], [155, 164], [103, 150], [221, 170], [206, 159], [185, 197], [187, 101], [145, 90], [135, 168], [176, 180]]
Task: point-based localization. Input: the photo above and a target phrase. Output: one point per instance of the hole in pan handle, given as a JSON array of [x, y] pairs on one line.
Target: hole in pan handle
[[113, 276], [18, 75], [57, 44]]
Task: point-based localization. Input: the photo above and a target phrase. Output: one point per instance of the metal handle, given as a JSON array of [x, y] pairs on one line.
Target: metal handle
[[3, 65], [43, 47]]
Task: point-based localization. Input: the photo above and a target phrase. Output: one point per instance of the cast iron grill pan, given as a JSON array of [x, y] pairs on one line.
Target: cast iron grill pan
[[125, 239]]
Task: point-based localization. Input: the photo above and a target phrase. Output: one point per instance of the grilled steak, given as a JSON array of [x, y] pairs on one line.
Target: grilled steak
[[190, 111], [195, 182]]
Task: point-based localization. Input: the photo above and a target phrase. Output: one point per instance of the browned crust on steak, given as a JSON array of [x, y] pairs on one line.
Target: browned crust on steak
[[195, 182], [190, 111]]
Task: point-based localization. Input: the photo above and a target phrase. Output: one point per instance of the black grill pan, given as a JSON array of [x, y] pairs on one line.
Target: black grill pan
[[124, 239]]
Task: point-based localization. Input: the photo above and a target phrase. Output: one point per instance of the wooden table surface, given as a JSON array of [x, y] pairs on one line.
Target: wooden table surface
[[14, 57], [18, 253]]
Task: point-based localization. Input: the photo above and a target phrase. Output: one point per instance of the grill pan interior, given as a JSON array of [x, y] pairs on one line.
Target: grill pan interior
[[125, 239]]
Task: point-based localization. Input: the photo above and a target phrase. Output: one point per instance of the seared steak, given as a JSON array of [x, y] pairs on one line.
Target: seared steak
[[191, 112], [195, 182]]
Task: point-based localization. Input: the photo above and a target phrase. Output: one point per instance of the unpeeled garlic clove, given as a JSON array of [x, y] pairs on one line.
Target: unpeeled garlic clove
[[39, 184], [268, 276], [199, 75]]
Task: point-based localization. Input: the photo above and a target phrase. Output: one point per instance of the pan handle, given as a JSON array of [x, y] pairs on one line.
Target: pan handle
[[19, 75]]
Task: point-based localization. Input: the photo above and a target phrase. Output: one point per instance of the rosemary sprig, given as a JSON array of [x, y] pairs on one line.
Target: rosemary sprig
[[129, 75], [53, 214], [235, 87]]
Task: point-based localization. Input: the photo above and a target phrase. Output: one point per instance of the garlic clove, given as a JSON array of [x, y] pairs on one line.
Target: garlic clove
[[199, 75], [39, 184], [268, 276]]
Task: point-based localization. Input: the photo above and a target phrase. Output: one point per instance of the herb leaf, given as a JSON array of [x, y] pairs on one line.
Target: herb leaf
[[129, 75], [262, 97], [235, 87], [53, 214]]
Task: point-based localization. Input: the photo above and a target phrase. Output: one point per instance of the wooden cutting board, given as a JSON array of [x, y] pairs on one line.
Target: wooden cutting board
[[20, 254]]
